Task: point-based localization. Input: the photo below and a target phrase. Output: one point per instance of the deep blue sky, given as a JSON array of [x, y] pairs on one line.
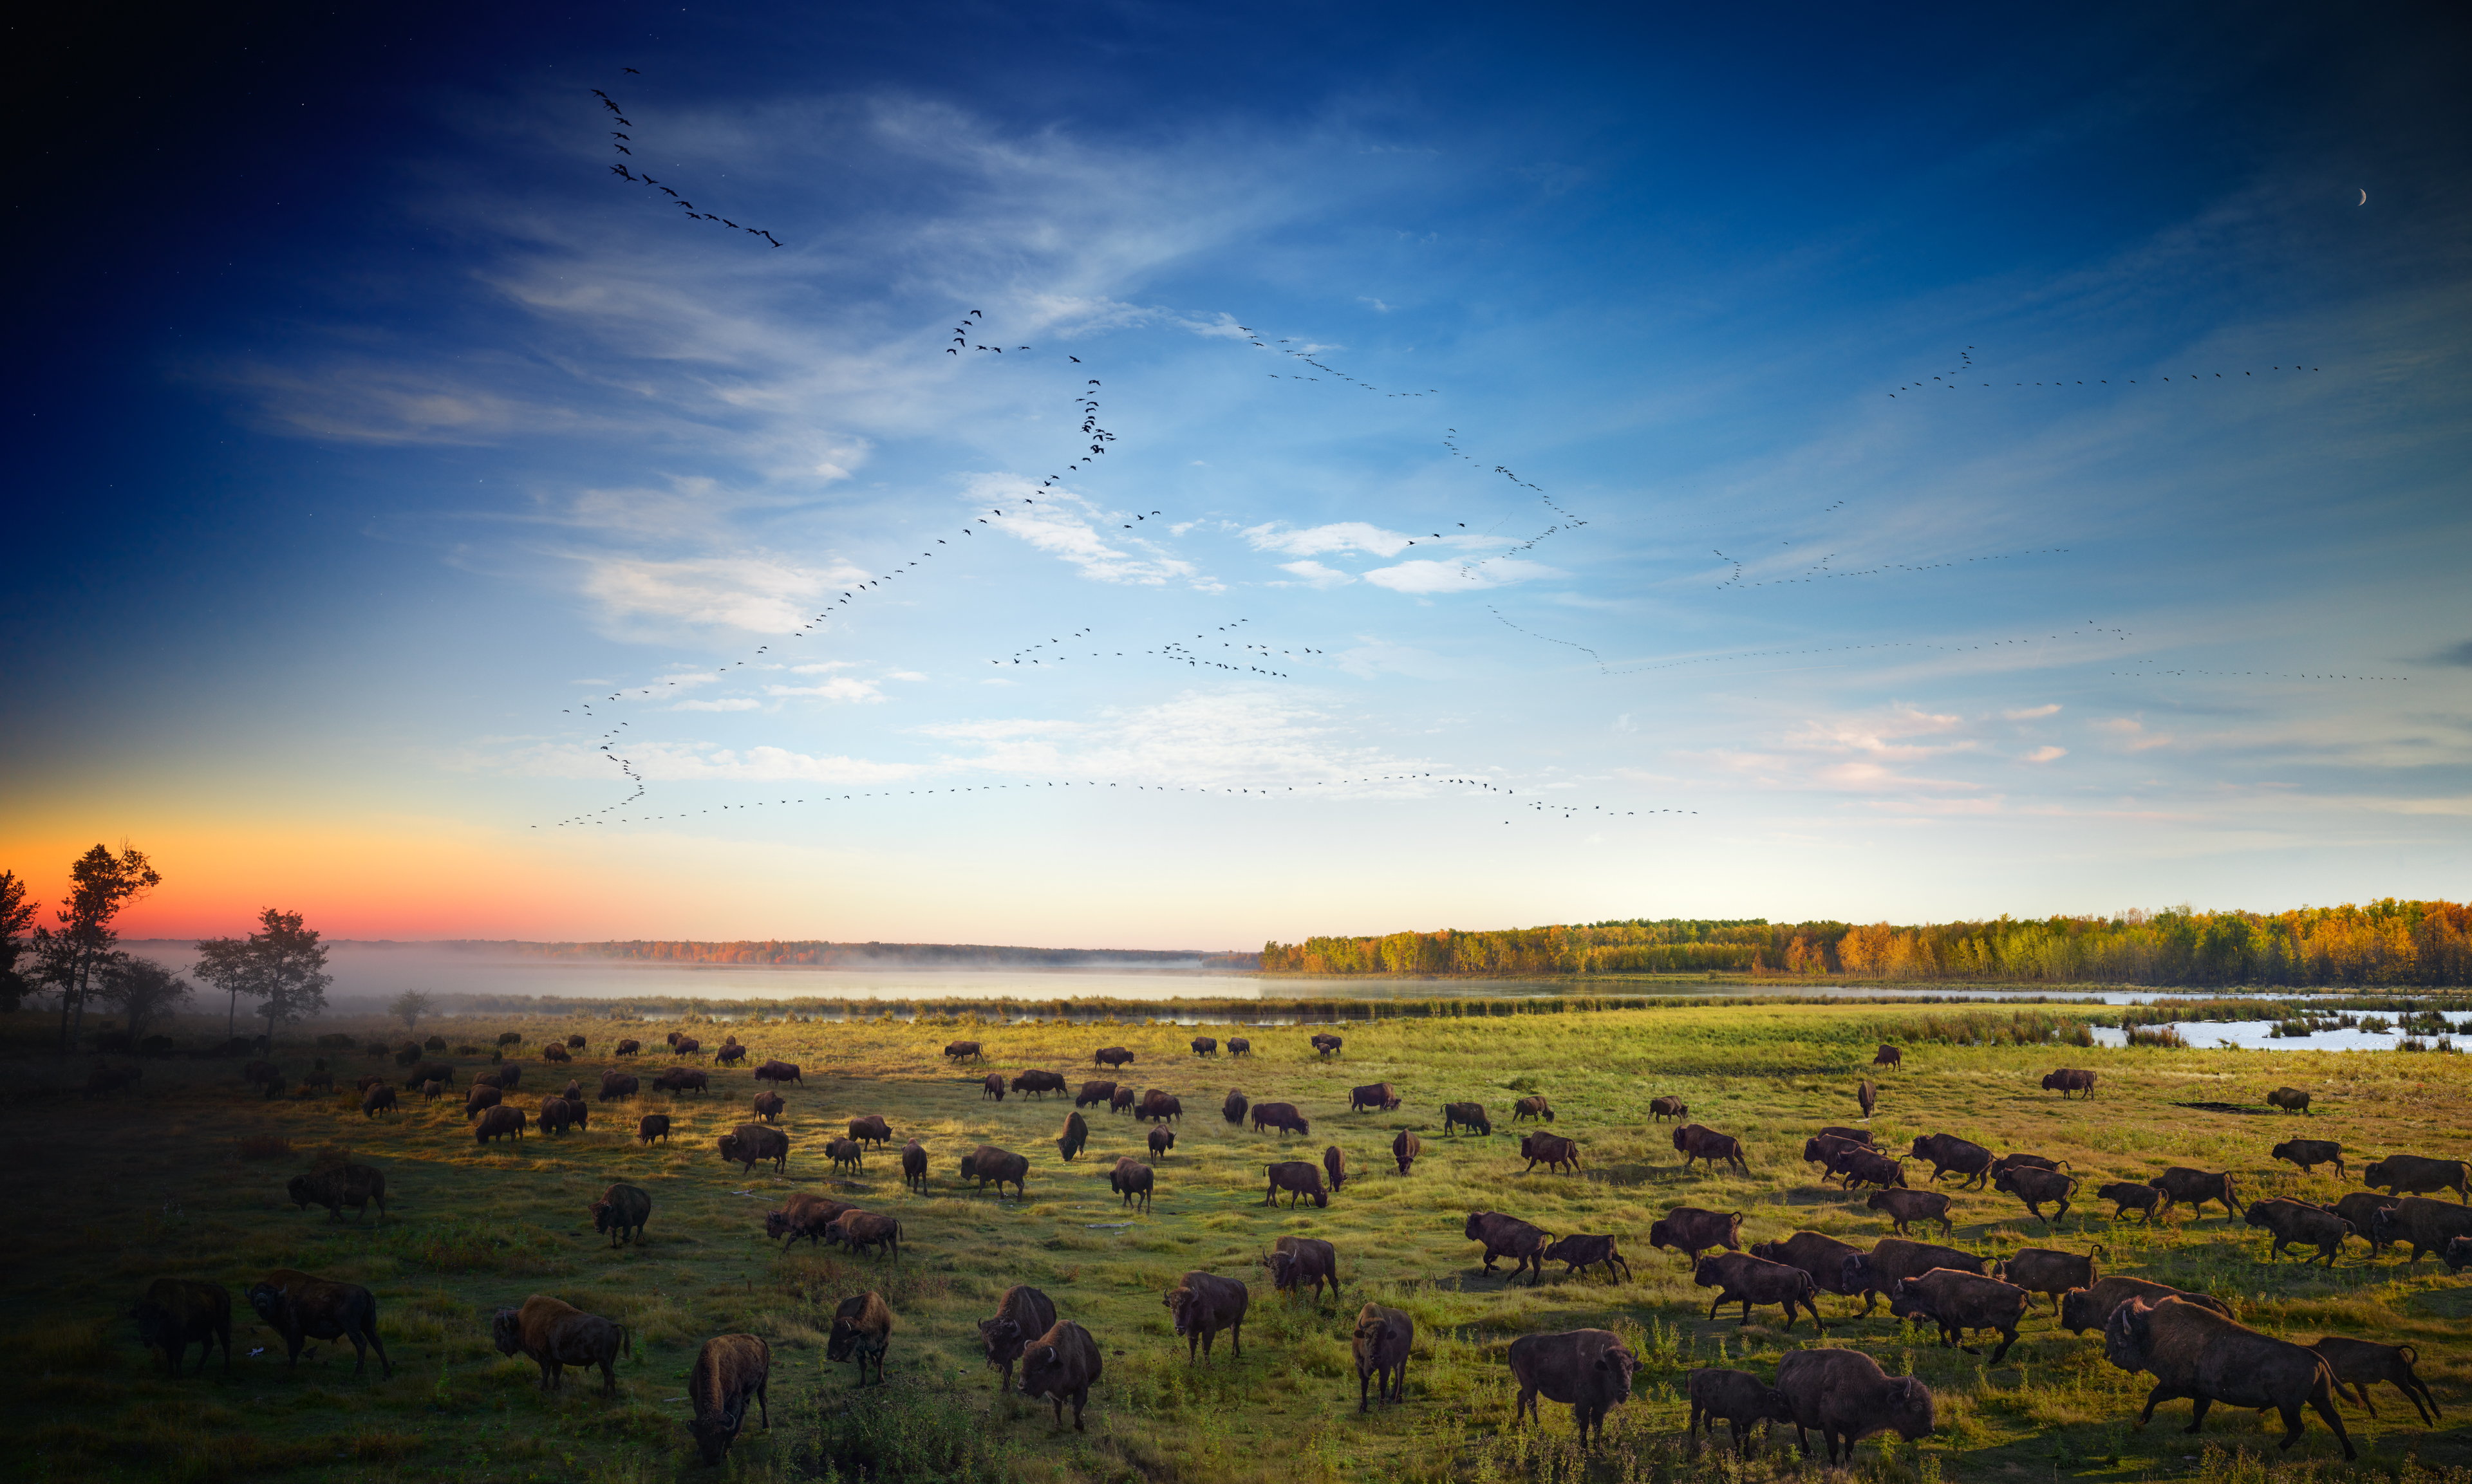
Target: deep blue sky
[[368, 422]]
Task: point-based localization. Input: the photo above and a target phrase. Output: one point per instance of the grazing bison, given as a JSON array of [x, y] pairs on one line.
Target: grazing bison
[[574, 1093], [554, 1116], [1577, 1253], [1824, 1257], [1846, 1396], [847, 1154], [767, 1106], [376, 1100], [1336, 1164], [914, 1165], [988, 1162], [2360, 1364], [1205, 1046], [1958, 1302], [778, 1072], [2068, 1080], [1904, 1206], [1203, 1304], [687, 1046], [727, 1056], [993, 1087], [805, 1215], [2196, 1353], [627, 1047], [1099, 1093], [1038, 1083], [2411, 1174], [483, 1096], [2310, 1153], [1022, 1315], [1297, 1260], [178, 1311], [497, 1123], [2457, 1254], [862, 1332], [1129, 1179], [2090, 1308], [2034, 1187], [442, 1072], [1867, 1096], [1162, 1139], [1124, 1100], [652, 1126], [1238, 1045], [575, 1043], [2197, 1187], [1298, 1179], [1894, 1258], [1282, 1116], [615, 1085], [1405, 1146], [2048, 1270], [2290, 1099], [1738, 1397], [2428, 1225], [727, 1371], [2358, 1208], [680, 1080], [962, 1050], [1947, 1154], [1111, 1056], [338, 1186], [1552, 1150], [1076, 1134], [554, 1335], [1376, 1097], [1383, 1338], [2299, 1221], [2126, 1196], [431, 1090], [1740, 1277], [1158, 1106], [301, 1309], [1533, 1106], [1061, 1365], [555, 1052], [859, 1230], [1234, 1108], [622, 1212], [1587, 1369], [1709, 1146], [1328, 1045], [872, 1129], [1888, 1056], [1509, 1236], [750, 1144], [1691, 1230], [1659, 1109], [1465, 1116]]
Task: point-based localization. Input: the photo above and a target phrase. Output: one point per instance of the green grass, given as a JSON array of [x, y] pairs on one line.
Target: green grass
[[125, 1190]]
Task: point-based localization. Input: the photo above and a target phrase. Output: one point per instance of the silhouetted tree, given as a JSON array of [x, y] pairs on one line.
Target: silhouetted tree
[[72, 955], [141, 990], [282, 968], [412, 1004], [17, 920]]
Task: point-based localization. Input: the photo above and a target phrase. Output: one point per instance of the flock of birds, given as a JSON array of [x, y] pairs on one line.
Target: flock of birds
[[1965, 369], [620, 142]]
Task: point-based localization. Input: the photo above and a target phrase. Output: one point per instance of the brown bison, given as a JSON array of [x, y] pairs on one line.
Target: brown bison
[[1205, 1046], [750, 1144], [1846, 1396], [442, 1073], [1099, 1093], [1297, 1260], [497, 1123], [1131, 1179], [2358, 1208], [1159, 1106], [767, 1106], [1709, 1146], [1553, 1150], [1738, 1397], [2196, 1353], [1824, 1257], [805, 1215], [1076, 1134], [1691, 1230], [1904, 1206], [1894, 1258], [2359, 1364], [2197, 1187], [616, 1085], [556, 1115], [2008, 1161], [1738, 1276], [1509, 1236], [914, 1165], [727, 1371], [1947, 1154], [1326, 1044], [1062, 1364], [687, 1046], [1298, 1179], [1383, 1338], [1282, 1116], [554, 1335], [1162, 1139], [1958, 1302], [682, 1079], [1238, 1045], [1579, 1254], [992, 1087], [1824, 1149], [988, 1162], [1533, 1106], [1374, 1097], [1234, 1108], [1587, 1369], [1861, 1136], [178, 1311], [779, 1071], [1465, 1116], [1659, 1109], [1335, 1163], [2126, 1196], [859, 1230], [555, 1052], [1203, 1304], [2428, 1225], [622, 1212], [1405, 1146], [2090, 1308], [2310, 1153], [1038, 1083], [2290, 1099], [2411, 1174], [483, 1096], [961, 1050], [1022, 1315], [338, 1186], [2049, 1271], [301, 1308], [727, 1056], [872, 1129], [627, 1047], [1111, 1056], [2034, 1187], [1867, 1096], [1888, 1056], [1855, 1166], [652, 1126], [847, 1154], [1124, 1100], [2299, 1221], [2068, 1080], [862, 1332]]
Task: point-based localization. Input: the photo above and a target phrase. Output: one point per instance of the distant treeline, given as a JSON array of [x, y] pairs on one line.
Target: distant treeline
[[817, 952], [2387, 942]]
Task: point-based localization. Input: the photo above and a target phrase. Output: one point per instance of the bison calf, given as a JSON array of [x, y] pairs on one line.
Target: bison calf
[[2360, 1364], [1577, 1253], [1739, 1398], [1740, 1278]]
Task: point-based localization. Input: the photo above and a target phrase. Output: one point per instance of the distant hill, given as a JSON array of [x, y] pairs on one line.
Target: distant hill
[[810, 953]]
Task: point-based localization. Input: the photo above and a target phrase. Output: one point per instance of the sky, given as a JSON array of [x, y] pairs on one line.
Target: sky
[[1915, 466]]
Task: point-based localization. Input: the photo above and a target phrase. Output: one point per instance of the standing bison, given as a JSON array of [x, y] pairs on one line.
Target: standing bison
[[961, 1050], [872, 1129], [176, 1311], [1894, 1258], [1708, 1145], [1298, 1260], [1282, 1116], [1846, 1396], [1465, 1116], [1062, 1365], [1659, 1109], [1552, 1150], [553, 1335], [1158, 1105], [1038, 1083], [1383, 1338], [1326, 1044], [1888, 1056], [1133, 1180], [753, 1143], [914, 1165], [1587, 1369], [1233, 1108], [988, 1163], [1958, 1302], [1739, 1278], [1111, 1056], [1205, 1046], [2290, 1099], [862, 1332], [2068, 1080], [728, 1371], [1100, 1093], [2048, 1271], [2310, 1153], [1577, 1253], [301, 1308], [1509, 1236], [2196, 1353], [338, 1186], [1533, 1106], [1378, 1097], [1076, 1134], [992, 1087], [1203, 1304], [1298, 1179], [2412, 1174], [2091, 1307], [498, 1124], [622, 1212], [1022, 1315], [1691, 1230], [779, 1071], [1405, 1146]]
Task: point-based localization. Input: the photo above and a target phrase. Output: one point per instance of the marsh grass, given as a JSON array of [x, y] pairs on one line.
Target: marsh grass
[[152, 1186]]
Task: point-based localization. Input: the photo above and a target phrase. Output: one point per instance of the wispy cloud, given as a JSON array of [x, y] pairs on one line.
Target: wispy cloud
[[1315, 574], [723, 704], [759, 595], [1446, 576], [840, 687]]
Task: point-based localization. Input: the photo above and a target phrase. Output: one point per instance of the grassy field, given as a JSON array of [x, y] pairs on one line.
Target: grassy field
[[138, 1185]]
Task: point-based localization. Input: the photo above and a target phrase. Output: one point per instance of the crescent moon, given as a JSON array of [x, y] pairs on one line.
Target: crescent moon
[[2364, 198]]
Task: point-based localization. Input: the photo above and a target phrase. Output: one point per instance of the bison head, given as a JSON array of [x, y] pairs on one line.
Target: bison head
[[1906, 1408], [603, 1217], [2457, 1254], [506, 1327], [1679, 1142], [1906, 1302], [1002, 1338], [729, 1145], [1660, 1234], [1181, 1304], [1043, 1370], [775, 1222], [300, 1193], [1283, 1267], [1703, 1273], [838, 1344], [969, 1166], [2007, 1183], [1321, 1199], [2127, 1338], [1765, 1251], [1613, 1371], [2077, 1310], [714, 1434], [1921, 1149], [1858, 1272], [268, 1300], [1878, 1200]]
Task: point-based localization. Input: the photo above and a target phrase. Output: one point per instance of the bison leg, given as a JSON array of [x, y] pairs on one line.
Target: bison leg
[[2408, 1384], [1524, 1406], [1364, 1391], [2360, 1394], [2008, 1337]]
